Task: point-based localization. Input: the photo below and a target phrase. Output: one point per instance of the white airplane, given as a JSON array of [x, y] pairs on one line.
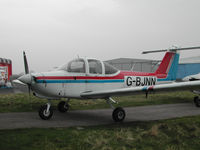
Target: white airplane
[[94, 79]]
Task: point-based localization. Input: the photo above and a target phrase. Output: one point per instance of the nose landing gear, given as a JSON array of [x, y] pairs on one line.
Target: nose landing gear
[[45, 111]]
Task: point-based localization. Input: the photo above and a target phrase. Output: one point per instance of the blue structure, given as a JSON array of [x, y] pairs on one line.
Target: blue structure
[[187, 69]]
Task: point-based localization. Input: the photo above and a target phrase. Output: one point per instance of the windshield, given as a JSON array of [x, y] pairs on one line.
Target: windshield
[[76, 66]]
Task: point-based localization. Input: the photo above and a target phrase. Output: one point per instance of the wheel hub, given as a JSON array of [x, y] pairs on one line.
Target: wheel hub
[[120, 115], [45, 113]]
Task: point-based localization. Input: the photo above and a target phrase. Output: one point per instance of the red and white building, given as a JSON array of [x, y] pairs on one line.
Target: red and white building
[[5, 71]]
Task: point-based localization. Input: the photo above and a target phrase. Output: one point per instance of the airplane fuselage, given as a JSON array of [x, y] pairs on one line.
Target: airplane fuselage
[[58, 84]]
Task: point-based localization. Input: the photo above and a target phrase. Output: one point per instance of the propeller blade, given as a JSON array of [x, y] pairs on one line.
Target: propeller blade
[[29, 91], [25, 63], [29, 95]]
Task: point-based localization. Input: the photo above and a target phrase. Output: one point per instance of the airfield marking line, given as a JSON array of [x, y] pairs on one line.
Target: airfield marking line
[[96, 117]]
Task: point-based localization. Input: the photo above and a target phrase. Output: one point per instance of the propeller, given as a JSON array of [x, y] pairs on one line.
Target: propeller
[[27, 72], [27, 78], [25, 63], [170, 49]]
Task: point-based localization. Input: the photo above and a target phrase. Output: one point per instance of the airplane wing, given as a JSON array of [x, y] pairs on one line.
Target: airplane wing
[[176, 86]]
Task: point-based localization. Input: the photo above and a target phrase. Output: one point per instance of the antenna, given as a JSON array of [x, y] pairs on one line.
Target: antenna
[[171, 50]]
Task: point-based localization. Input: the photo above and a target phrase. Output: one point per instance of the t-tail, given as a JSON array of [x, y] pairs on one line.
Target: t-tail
[[168, 67]]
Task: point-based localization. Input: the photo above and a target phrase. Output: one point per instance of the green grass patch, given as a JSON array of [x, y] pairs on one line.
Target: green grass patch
[[173, 134], [22, 103]]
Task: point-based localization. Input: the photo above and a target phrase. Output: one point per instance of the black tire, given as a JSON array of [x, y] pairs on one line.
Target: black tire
[[118, 114], [197, 101], [63, 106], [43, 114]]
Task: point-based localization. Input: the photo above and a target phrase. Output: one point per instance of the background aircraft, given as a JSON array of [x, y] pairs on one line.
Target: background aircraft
[[91, 79]]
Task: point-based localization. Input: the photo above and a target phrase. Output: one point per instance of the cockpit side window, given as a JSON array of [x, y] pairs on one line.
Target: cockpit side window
[[109, 69], [76, 66], [95, 66]]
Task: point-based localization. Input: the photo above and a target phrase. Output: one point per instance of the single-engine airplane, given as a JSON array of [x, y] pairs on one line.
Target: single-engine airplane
[[94, 79]]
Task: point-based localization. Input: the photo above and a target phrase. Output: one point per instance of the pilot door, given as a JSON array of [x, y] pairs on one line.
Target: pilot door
[[95, 73]]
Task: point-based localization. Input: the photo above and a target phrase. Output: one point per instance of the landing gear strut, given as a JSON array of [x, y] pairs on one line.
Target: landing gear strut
[[63, 106], [45, 111], [118, 114]]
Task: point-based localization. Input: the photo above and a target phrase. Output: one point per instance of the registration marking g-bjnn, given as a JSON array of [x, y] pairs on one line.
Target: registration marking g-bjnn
[[140, 80]]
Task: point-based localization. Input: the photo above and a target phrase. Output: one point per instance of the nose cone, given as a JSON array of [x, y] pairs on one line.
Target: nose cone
[[25, 79]]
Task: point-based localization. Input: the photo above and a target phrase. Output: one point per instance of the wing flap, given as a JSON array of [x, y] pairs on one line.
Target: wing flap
[[176, 86]]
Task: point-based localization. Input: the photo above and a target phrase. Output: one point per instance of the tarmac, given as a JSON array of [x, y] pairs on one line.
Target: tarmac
[[80, 118]]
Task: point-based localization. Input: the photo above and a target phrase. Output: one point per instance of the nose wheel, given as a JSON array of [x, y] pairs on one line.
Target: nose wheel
[[45, 111]]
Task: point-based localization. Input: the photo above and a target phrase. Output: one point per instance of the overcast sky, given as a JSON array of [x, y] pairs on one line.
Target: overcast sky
[[53, 32]]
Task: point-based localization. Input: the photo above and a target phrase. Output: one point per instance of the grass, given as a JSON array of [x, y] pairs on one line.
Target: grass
[[173, 134], [22, 103]]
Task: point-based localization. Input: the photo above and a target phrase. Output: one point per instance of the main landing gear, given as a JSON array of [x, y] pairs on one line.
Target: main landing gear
[[196, 98], [118, 114], [63, 106], [46, 112], [197, 101]]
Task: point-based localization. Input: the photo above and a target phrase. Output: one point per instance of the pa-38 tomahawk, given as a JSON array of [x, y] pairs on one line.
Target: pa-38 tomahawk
[[94, 79]]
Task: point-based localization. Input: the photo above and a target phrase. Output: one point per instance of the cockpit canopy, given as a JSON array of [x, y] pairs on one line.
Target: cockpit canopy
[[89, 66]]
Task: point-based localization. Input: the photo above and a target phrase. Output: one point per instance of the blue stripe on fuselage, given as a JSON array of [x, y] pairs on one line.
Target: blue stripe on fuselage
[[79, 81]]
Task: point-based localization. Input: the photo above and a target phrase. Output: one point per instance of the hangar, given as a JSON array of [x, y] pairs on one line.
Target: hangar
[[142, 65], [187, 66]]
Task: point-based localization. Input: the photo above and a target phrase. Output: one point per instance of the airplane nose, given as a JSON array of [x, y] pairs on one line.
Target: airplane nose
[[27, 78]]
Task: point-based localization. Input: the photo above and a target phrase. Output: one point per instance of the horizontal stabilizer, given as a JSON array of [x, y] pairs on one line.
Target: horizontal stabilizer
[[170, 49]]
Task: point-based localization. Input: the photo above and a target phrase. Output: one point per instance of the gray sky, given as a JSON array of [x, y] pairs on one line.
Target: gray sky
[[53, 32]]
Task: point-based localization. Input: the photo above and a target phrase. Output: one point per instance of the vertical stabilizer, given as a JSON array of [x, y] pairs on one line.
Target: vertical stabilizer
[[169, 66]]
